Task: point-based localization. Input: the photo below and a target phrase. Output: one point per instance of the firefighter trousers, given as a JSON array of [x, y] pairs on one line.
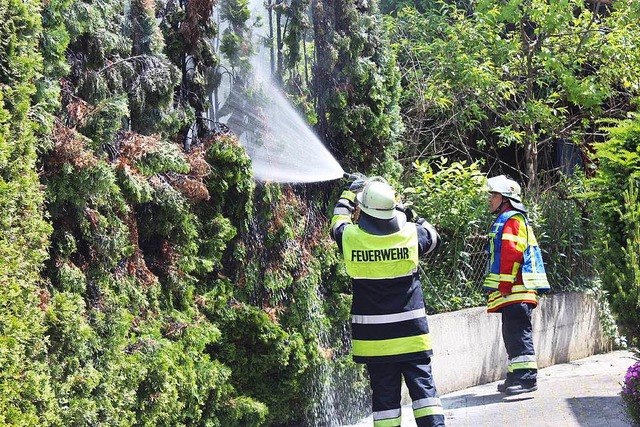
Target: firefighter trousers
[[518, 340], [386, 384]]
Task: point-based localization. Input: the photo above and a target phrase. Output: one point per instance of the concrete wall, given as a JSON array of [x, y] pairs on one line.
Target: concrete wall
[[468, 346]]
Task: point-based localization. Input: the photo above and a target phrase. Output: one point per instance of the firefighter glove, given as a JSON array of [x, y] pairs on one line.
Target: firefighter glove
[[408, 212], [355, 182]]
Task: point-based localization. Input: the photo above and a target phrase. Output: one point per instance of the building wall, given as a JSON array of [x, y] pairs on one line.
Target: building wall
[[468, 347]]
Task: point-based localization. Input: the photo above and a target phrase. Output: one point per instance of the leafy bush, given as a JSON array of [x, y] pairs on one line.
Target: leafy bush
[[631, 392], [451, 197], [564, 225]]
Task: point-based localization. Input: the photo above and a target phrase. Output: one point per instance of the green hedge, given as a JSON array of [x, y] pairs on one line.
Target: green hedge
[[26, 391]]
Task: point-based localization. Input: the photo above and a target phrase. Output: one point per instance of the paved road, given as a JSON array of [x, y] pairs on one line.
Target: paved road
[[583, 393]]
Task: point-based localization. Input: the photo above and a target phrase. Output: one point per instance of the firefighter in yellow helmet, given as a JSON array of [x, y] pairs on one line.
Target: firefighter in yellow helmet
[[516, 275], [390, 333]]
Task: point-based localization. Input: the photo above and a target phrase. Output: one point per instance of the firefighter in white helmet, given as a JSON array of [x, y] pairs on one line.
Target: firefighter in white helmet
[[515, 277], [390, 333]]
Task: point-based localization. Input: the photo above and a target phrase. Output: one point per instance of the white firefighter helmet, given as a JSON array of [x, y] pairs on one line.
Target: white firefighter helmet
[[378, 199], [509, 189]]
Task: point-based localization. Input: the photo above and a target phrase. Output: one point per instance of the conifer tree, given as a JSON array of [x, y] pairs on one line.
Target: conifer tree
[[167, 297], [26, 394], [137, 235], [356, 83], [153, 78], [616, 190]]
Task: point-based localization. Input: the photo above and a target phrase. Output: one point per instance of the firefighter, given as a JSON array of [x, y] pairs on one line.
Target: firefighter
[[516, 276], [389, 326]]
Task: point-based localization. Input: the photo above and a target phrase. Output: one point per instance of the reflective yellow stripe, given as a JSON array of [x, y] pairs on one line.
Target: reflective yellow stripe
[[534, 266], [514, 270], [521, 241], [496, 300], [517, 292], [340, 218], [523, 365], [538, 277], [535, 281], [390, 347], [492, 281], [492, 252], [388, 418], [349, 195], [527, 361], [508, 278], [387, 414], [532, 237], [429, 410], [391, 422]]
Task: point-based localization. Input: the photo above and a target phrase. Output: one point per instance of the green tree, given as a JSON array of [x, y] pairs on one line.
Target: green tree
[[138, 240], [150, 77], [188, 29], [26, 391], [520, 74], [356, 84], [444, 192], [615, 193]]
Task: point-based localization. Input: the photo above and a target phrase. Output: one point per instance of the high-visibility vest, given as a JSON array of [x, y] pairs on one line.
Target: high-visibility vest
[[388, 318], [532, 268]]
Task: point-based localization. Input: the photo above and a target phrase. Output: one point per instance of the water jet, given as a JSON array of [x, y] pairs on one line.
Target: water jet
[[282, 146]]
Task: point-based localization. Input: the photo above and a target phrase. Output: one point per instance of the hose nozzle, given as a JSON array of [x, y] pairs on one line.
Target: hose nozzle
[[353, 176], [349, 176]]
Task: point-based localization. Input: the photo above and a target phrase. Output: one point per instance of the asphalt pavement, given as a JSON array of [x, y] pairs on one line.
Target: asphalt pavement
[[584, 393]]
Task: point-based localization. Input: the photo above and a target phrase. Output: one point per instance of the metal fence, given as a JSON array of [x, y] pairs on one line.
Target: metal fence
[[452, 277]]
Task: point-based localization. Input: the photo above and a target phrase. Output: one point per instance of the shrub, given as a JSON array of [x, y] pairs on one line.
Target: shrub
[[631, 392], [564, 225], [451, 197], [615, 194], [26, 396], [258, 348]]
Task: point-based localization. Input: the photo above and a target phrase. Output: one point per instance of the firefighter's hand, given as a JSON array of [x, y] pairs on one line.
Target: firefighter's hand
[[357, 185], [504, 294], [408, 212], [355, 182]]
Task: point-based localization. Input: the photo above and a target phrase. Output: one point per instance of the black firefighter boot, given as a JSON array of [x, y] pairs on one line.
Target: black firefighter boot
[[520, 388]]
